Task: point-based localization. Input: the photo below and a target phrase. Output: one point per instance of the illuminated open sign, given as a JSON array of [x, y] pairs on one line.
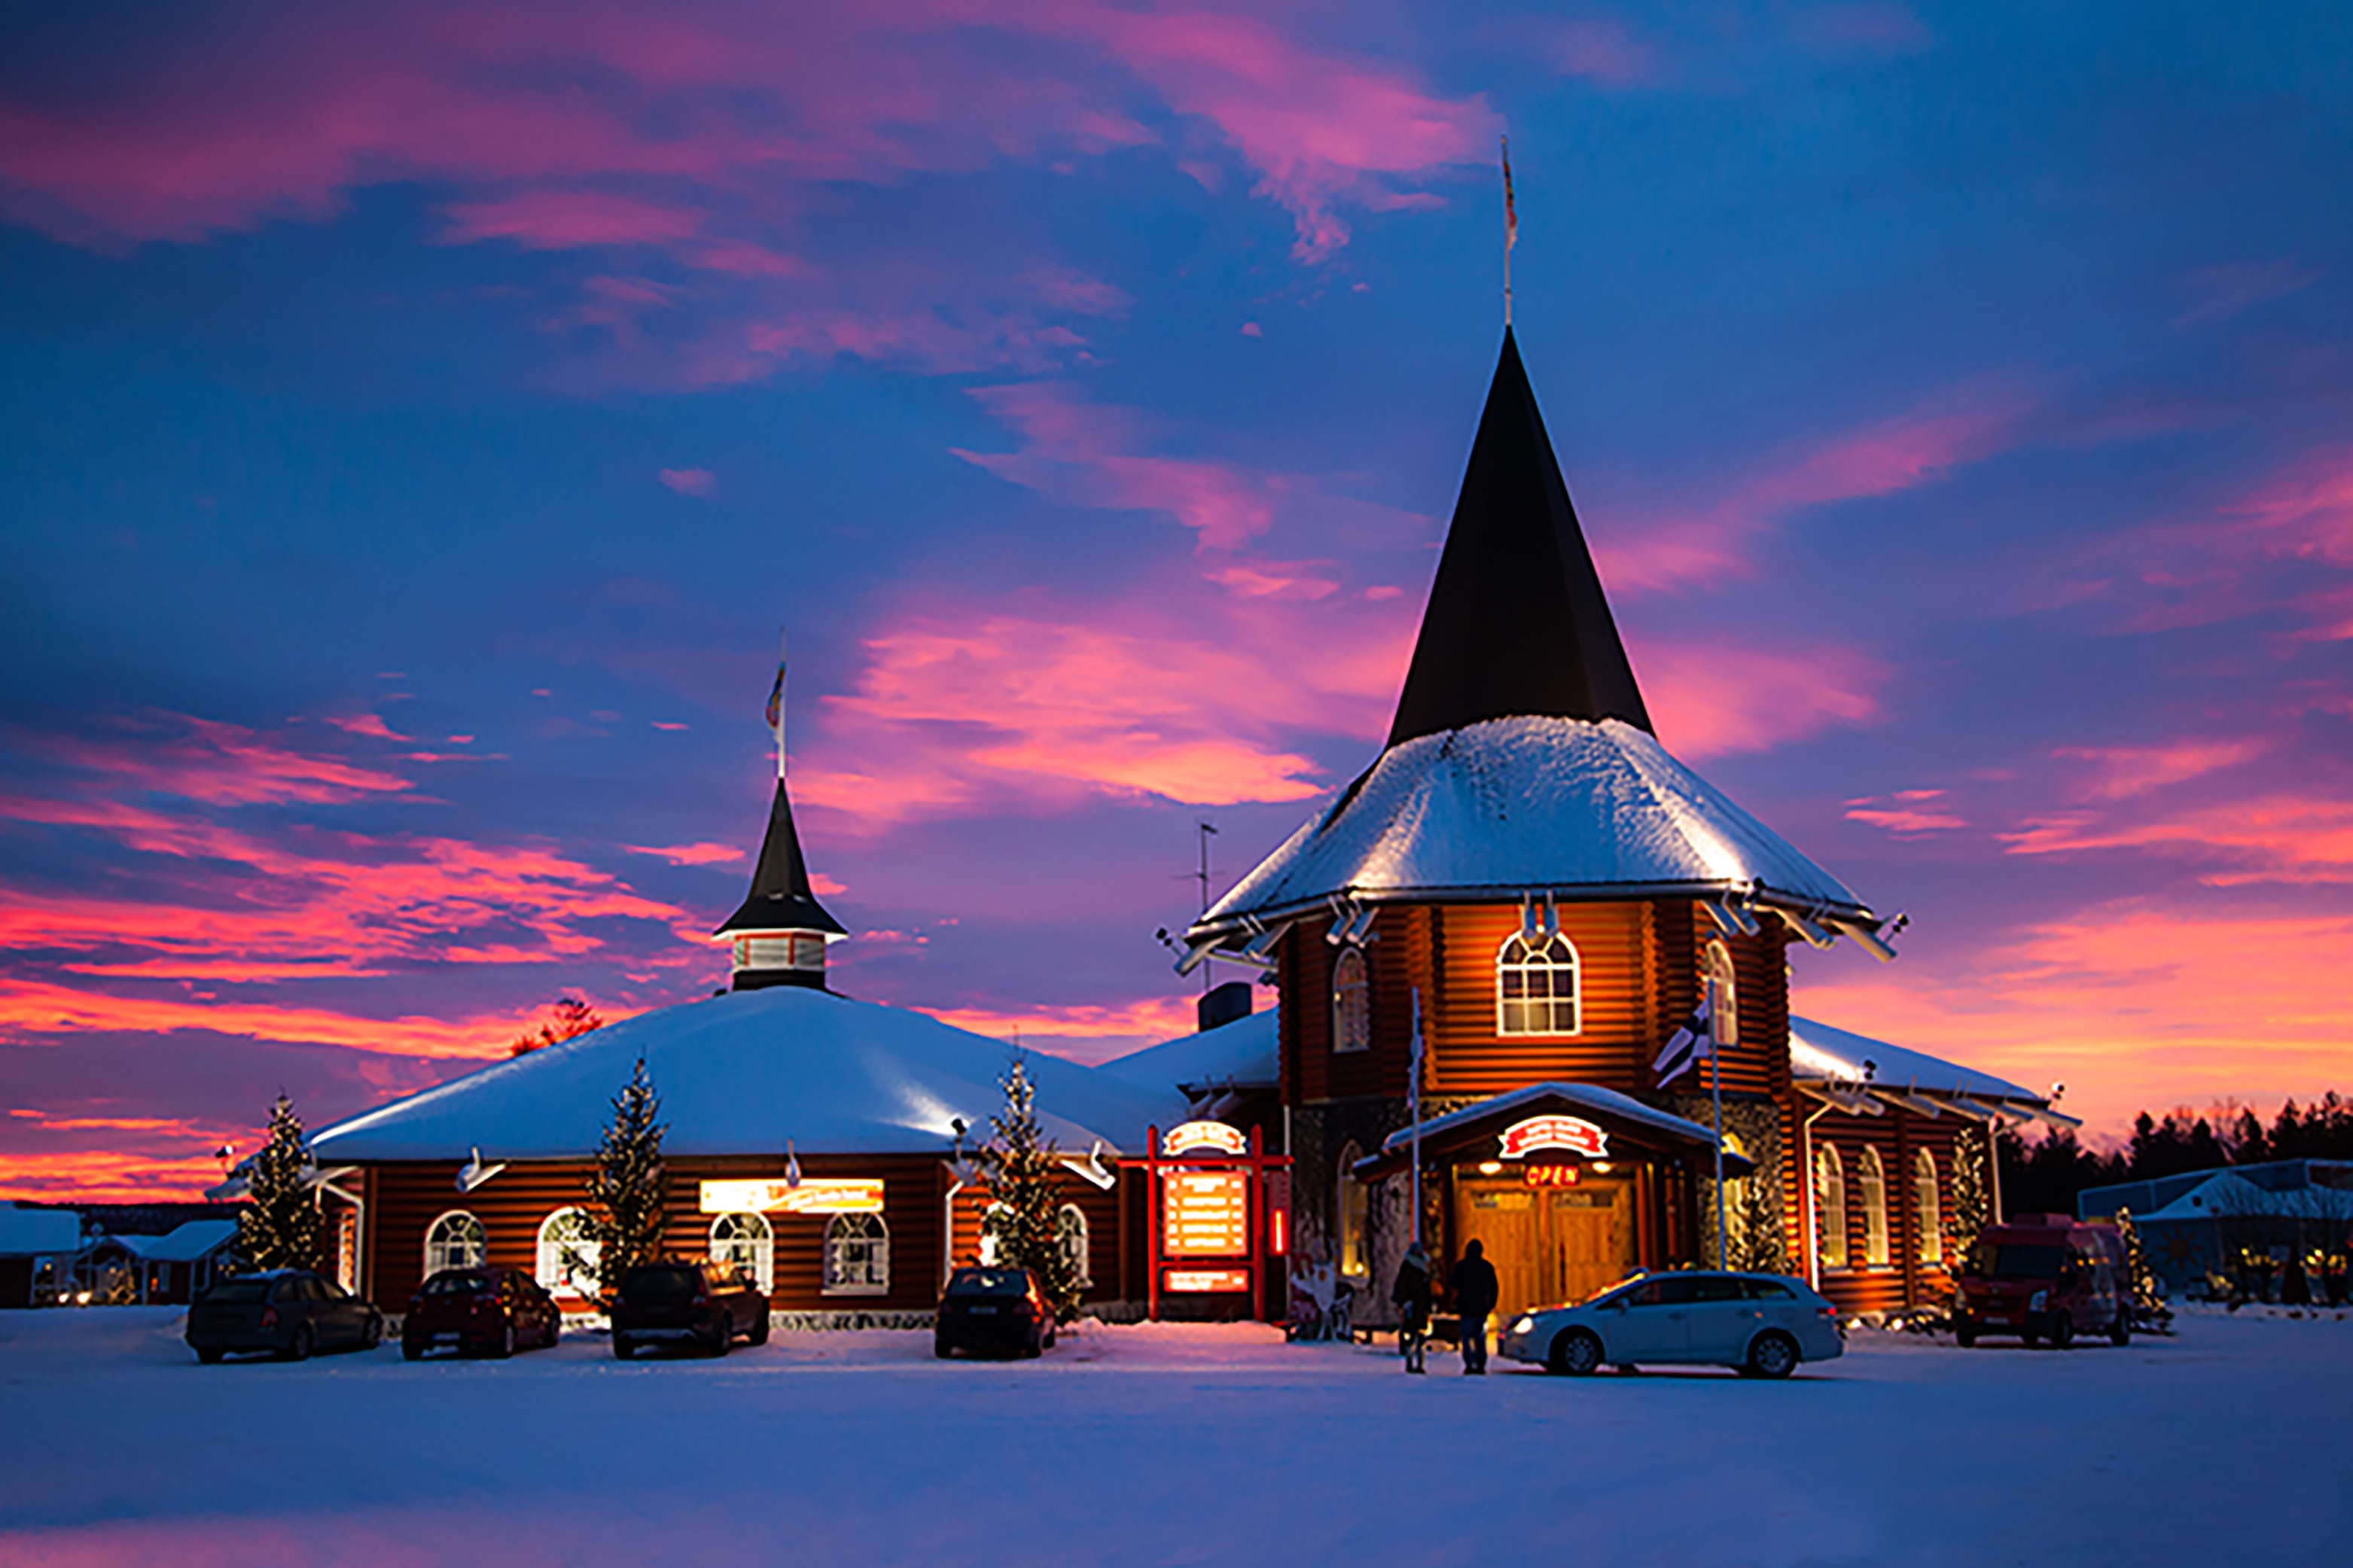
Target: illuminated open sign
[[1569, 1133], [1187, 1136]]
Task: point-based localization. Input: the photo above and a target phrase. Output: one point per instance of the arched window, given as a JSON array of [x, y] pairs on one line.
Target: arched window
[[1356, 1211], [1535, 987], [1872, 1179], [456, 1240], [857, 1255], [1070, 1231], [745, 1241], [1927, 1212], [1830, 1206], [1352, 1003], [1723, 998], [565, 1259]]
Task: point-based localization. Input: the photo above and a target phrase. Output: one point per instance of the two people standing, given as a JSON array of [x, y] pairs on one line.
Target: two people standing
[[1473, 1288]]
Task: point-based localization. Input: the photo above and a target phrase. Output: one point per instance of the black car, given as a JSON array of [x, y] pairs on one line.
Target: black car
[[997, 1312], [483, 1310], [289, 1312], [704, 1305]]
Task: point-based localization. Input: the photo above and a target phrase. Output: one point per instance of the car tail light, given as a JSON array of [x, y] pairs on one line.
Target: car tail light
[[1830, 1312], [268, 1317]]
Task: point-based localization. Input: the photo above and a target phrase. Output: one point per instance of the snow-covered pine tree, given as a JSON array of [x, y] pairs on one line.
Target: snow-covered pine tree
[[1756, 1238], [628, 1191], [279, 1226], [1023, 1179], [1972, 1206]]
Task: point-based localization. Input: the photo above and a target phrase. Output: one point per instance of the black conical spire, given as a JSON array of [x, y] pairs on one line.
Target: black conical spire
[[1517, 623], [781, 898]]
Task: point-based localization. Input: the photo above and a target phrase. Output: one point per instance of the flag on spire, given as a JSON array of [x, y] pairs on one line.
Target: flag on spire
[[776, 696], [1511, 209]]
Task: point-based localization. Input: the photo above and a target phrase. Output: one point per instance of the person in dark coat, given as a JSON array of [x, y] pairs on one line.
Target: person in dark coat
[[1411, 1295], [1473, 1285]]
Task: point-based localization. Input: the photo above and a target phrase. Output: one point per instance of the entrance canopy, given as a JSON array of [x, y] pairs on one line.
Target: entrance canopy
[[1544, 1121]]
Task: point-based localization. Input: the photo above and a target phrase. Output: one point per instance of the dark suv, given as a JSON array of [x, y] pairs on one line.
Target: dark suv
[[999, 1311], [702, 1304], [289, 1312]]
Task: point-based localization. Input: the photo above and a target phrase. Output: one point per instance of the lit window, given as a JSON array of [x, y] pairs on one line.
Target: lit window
[[566, 1255], [993, 1221], [1928, 1212], [1872, 1179], [1071, 1230], [857, 1255], [1355, 1209], [456, 1240], [1352, 1003], [1723, 998], [1535, 987], [745, 1241], [1830, 1206]]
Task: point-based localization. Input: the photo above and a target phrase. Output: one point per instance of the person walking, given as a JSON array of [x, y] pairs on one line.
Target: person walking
[[1411, 1295], [1473, 1288]]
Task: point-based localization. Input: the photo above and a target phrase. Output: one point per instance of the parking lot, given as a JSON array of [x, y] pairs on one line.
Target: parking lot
[[1168, 1444]]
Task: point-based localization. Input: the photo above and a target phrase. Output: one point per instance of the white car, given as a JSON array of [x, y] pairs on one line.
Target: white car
[[1761, 1325]]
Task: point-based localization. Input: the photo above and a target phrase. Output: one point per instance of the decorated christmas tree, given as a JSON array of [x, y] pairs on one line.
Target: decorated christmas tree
[[1024, 1227], [1756, 1229], [1972, 1208], [279, 1227], [2150, 1312], [627, 1193]]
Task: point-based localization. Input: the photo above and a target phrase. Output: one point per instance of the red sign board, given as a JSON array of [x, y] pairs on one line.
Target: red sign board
[[1188, 1136], [1206, 1214], [1550, 1175], [1569, 1133], [1194, 1280]]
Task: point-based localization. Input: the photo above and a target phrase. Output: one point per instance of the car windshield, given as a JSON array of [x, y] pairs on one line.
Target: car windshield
[[2012, 1260], [238, 1292], [458, 1285], [989, 1282], [1607, 1291], [660, 1284]]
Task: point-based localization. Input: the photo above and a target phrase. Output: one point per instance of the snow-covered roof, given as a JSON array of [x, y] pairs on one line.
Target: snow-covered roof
[[30, 1233], [1592, 1097], [1822, 1053], [2227, 1195], [744, 1072], [1583, 809], [186, 1244], [1241, 1052]]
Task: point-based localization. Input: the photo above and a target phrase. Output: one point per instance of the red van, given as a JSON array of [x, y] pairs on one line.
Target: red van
[[2044, 1277]]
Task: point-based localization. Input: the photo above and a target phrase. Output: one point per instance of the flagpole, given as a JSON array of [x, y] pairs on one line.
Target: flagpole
[[1716, 1080], [1413, 1104]]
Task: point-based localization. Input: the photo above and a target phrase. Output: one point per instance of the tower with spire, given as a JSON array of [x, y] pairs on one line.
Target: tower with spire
[[780, 934], [1509, 921]]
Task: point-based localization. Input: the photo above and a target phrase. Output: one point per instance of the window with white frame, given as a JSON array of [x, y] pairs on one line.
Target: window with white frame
[[1872, 1178], [746, 1242], [1830, 1206], [857, 1255], [1071, 1233], [1537, 986], [565, 1257], [1928, 1212], [1356, 1214], [1352, 1003], [1723, 998], [456, 1240]]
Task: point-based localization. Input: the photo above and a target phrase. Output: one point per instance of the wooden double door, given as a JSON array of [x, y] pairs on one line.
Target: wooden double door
[[1548, 1244]]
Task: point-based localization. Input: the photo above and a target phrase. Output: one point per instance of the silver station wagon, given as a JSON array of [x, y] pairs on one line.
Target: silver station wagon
[[1760, 1325]]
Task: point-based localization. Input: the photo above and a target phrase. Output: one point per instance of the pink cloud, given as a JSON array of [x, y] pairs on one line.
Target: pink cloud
[[1713, 700], [1602, 50], [219, 765], [1080, 1033], [2307, 511], [691, 853], [701, 482], [1908, 813], [367, 724], [1705, 540], [560, 219]]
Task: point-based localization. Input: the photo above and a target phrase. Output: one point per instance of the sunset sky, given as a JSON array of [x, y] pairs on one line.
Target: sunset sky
[[417, 419]]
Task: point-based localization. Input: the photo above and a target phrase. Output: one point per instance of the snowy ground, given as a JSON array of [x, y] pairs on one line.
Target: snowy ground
[[1164, 1444]]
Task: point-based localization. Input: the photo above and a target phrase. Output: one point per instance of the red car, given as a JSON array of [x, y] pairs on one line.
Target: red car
[[485, 1311]]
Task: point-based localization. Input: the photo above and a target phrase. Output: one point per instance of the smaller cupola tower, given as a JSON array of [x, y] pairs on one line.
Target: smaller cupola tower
[[779, 936]]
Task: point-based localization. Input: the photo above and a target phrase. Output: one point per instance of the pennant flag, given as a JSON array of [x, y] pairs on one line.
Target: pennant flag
[[1691, 1043], [1511, 209]]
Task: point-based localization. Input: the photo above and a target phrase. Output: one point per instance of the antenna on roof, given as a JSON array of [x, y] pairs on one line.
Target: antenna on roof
[[1511, 230]]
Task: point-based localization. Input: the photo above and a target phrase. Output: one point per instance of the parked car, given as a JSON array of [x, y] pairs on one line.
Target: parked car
[[999, 1312], [289, 1312], [703, 1304], [1761, 1325], [2044, 1277], [487, 1311]]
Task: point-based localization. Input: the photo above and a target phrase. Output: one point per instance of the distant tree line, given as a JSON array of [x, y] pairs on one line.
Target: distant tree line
[[2044, 1176]]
